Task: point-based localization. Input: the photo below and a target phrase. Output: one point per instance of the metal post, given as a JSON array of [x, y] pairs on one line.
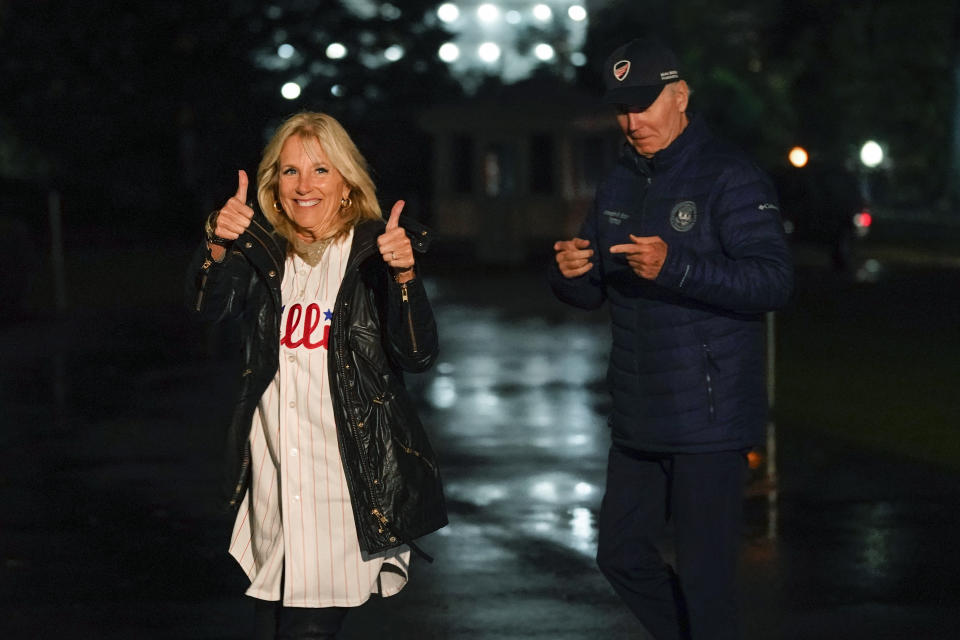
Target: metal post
[[771, 395], [771, 457], [771, 359], [59, 292], [56, 252]]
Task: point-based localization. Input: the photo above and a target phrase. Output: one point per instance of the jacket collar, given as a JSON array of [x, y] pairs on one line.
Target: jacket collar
[[263, 246], [364, 241], [693, 135]]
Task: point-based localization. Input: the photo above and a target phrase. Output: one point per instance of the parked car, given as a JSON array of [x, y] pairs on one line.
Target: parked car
[[824, 205]]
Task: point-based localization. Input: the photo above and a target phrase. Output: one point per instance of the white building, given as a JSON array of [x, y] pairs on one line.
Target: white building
[[515, 171]]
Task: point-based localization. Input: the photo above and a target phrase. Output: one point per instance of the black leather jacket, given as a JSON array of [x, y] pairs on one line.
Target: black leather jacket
[[379, 328]]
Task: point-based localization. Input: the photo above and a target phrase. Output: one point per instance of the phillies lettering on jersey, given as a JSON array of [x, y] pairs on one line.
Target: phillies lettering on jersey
[[307, 333]]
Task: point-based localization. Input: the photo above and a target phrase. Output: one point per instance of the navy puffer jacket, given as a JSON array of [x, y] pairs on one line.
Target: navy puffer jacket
[[686, 366]]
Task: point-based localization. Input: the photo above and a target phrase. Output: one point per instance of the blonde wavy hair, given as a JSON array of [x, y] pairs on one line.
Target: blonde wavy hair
[[342, 153]]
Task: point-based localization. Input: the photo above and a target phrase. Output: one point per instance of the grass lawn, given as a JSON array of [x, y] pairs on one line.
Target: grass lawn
[[875, 364]]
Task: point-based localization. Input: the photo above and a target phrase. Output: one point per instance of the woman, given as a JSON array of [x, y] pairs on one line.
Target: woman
[[331, 472]]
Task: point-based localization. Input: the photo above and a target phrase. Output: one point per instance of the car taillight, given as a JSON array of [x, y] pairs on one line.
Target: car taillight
[[863, 220]]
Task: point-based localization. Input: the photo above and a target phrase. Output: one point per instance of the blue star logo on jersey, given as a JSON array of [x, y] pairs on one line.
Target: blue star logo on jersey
[[328, 315]]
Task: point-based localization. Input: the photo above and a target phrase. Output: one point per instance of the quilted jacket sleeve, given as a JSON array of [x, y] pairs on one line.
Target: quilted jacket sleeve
[[753, 271], [585, 291]]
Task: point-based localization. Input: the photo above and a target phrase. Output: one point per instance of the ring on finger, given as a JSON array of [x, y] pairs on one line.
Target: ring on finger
[[393, 255]]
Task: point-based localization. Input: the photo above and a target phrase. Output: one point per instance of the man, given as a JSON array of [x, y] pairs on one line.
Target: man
[[685, 242]]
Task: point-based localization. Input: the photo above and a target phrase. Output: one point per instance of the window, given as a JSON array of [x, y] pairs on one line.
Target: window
[[592, 158], [541, 164], [463, 164], [500, 170]]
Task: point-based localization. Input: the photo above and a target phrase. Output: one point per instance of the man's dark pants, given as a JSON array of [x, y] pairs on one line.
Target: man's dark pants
[[702, 496]]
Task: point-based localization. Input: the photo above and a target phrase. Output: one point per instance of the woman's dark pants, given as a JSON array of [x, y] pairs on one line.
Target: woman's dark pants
[[272, 621]]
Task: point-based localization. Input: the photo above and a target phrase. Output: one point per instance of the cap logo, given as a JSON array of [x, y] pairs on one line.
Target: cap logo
[[621, 69], [673, 74]]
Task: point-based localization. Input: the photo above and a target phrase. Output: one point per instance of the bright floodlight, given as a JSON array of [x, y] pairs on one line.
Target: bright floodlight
[[448, 12], [513, 17], [577, 13], [489, 52], [290, 91], [336, 51], [285, 51], [337, 90], [542, 12], [488, 12], [543, 51], [448, 52], [578, 59], [393, 53], [871, 155], [798, 157]]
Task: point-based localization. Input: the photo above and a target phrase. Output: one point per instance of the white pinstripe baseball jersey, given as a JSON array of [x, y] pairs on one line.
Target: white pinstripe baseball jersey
[[296, 519]]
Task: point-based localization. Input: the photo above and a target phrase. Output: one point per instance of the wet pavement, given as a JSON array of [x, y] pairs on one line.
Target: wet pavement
[[109, 422]]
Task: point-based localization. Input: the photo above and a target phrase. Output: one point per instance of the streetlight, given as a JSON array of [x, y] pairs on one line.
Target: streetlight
[[871, 154], [542, 12], [798, 157], [393, 53], [336, 51], [543, 51], [488, 12], [489, 52], [577, 13], [448, 12], [449, 52], [290, 91]]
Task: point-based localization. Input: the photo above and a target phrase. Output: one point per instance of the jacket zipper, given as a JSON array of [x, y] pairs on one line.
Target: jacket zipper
[[203, 283], [245, 462], [413, 452], [708, 363], [364, 465], [380, 517], [406, 300]]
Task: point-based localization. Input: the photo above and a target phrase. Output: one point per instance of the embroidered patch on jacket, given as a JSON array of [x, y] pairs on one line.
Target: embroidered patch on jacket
[[615, 217], [684, 215]]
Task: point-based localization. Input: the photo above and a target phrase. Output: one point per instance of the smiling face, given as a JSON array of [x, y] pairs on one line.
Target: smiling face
[[309, 187], [654, 128]]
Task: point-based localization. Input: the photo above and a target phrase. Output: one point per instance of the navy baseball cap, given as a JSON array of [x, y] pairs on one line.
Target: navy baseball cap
[[635, 73]]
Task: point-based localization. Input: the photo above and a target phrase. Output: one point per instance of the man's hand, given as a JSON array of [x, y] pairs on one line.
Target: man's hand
[[573, 257], [395, 247], [645, 255], [235, 216]]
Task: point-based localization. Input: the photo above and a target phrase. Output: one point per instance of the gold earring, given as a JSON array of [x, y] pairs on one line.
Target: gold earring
[[346, 203], [277, 207]]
